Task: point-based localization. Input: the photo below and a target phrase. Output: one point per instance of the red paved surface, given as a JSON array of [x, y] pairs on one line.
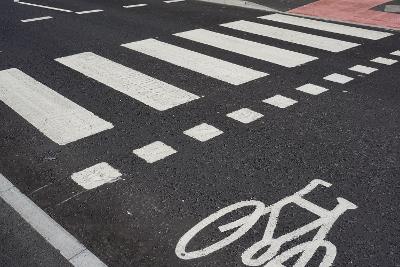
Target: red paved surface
[[358, 11]]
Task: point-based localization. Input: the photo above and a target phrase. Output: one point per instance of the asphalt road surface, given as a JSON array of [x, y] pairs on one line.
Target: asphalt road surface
[[167, 133]]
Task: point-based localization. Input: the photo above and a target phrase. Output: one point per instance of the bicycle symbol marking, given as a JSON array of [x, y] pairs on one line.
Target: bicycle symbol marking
[[270, 257]]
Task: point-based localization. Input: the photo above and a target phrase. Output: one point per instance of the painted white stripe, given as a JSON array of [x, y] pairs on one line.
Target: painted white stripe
[[55, 116], [280, 101], [396, 53], [173, 1], [203, 132], [89, 11], [95, 176], [154, 152], [264, 52], [213, 67], [46, 7], [338, 78], [245, 115], [311, 89], [148, 90], [36, 19], [315, 41], [70, 248], [384, 61], [137, 5], [363, 69], [327, 26]]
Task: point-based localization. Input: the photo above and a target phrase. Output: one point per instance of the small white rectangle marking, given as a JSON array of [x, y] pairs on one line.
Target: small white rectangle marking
[[89, 11], [46, 7], [315, 41], [210, 66], [146, 89], [384, 61], [137, 5], [36, 19], [95, 176], [154, 152], [396, 53], [245, 115], [363, 69], [203, 132], [327, 26], [311, 89], [338, 78], [55, 116], [68, 246], [252, 49], [280, 101], [173, 1]]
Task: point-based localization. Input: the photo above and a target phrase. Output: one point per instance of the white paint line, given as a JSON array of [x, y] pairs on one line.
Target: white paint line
[[315, 41], [384, 61], [212, 67], [36, 19], [173, 1], [327, 26], [245, 115], [203, 132], [363, 69], [89, 11], [55, 116], [154, 152], [396, 53], [137, 5], [280, 101], [264, 52], [46, 7], [148, 90], [96, 176], [55, 235], [311, 89], [338, 78]]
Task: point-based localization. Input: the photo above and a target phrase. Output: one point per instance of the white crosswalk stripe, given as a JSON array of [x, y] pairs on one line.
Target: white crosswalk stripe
[[327, 26], [311, 40], [210, 66], [55, 116], [264, 52], [148, 90]]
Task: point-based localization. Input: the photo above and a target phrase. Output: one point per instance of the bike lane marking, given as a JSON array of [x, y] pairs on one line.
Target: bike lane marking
[[357, 11]]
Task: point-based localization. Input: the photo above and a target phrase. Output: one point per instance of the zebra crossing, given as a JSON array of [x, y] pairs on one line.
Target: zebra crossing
[[64, 121]]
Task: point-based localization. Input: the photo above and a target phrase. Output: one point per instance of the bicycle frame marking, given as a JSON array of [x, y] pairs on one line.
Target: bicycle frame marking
[[270, 258]]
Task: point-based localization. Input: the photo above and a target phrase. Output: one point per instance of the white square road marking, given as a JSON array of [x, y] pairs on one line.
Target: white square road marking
[[245, 115], [96, 175], [363, 69], [280, 101], [311, 89], [384, 61], [396, 53], [203, 132], [154, 152], [338, 78]]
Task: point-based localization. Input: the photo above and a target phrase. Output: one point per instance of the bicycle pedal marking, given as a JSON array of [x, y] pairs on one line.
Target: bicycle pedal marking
[[270, 257]]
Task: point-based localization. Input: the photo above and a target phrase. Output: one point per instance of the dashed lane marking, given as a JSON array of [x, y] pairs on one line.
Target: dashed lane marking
[[95, 176], [154, 152], [363, 69], [89, 11], [46, 7], [203, 132], [245, 115], [68, 246], [396, 53], [311, 89], [148, 90], [36, 19], [210, 66], [280, 101], [137, 5], [384, 61], [55, 116], [252, 49], [306, 39], [338, 78], [327, 26], [173, 1]]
